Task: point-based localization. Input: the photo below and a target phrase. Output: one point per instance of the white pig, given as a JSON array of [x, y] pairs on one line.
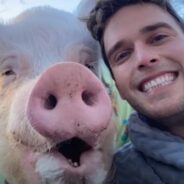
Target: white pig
[[55, 115]]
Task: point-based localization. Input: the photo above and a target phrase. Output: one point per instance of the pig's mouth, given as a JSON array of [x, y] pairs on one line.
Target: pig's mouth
[[72, 149]]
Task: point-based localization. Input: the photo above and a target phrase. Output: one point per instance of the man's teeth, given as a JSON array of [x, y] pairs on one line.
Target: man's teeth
[[159, 81]]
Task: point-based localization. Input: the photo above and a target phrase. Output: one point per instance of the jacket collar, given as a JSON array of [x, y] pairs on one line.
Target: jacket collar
[[156, 143]]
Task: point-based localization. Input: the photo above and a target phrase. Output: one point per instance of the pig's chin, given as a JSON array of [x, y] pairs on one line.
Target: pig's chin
[[62, 164]]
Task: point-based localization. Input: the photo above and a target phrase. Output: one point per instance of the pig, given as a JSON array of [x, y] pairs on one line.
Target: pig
[[55, 114]]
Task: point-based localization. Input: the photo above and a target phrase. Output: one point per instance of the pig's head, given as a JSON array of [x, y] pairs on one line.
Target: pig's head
[[55, 116]]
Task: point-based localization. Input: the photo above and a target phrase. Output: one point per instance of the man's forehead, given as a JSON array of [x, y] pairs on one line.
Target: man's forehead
[[133, 19]]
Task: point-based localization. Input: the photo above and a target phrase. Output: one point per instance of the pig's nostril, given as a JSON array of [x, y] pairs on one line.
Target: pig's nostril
[[88, 98], [50, 102]]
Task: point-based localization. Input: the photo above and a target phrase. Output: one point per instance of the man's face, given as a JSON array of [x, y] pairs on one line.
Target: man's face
[[145, 48]]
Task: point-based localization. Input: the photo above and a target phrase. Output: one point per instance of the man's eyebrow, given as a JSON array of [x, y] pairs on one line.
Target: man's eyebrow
[[154, 27], [145, 29], [117, 46]]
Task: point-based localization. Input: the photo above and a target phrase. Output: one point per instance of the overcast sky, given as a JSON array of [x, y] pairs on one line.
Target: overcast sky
[[10, 8]]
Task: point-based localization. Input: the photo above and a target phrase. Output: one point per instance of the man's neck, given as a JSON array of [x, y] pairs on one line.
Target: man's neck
[[174, 124], [177, 130]]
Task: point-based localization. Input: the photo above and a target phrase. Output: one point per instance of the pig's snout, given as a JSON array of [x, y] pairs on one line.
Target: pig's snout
[[69, 101]]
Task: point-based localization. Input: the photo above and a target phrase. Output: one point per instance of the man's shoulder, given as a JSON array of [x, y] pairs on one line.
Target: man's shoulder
[[131, 167], [127, 153]]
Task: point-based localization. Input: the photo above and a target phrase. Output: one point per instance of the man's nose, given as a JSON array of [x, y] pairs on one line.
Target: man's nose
[[146, 56]]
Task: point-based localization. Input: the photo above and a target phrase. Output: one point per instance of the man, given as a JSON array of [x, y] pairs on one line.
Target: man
[[142, 43]]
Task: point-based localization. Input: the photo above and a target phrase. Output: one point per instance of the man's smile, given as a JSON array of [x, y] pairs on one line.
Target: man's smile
[[154, 82]]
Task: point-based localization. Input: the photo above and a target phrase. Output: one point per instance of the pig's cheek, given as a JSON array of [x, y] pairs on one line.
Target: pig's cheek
[[19, 129], [101, 160], [97, 165], [1, 84], [107, 140], [28, 162]]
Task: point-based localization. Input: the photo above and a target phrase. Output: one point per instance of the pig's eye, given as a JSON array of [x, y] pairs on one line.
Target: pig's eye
[[90, 66], [8, 72], [9, 76]]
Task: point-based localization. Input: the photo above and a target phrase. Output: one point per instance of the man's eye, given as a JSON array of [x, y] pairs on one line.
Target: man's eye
[[158, 38], [122, 57]]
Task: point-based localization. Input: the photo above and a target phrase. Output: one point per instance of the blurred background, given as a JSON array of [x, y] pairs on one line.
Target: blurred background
[[10, 8], [179, 5]]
